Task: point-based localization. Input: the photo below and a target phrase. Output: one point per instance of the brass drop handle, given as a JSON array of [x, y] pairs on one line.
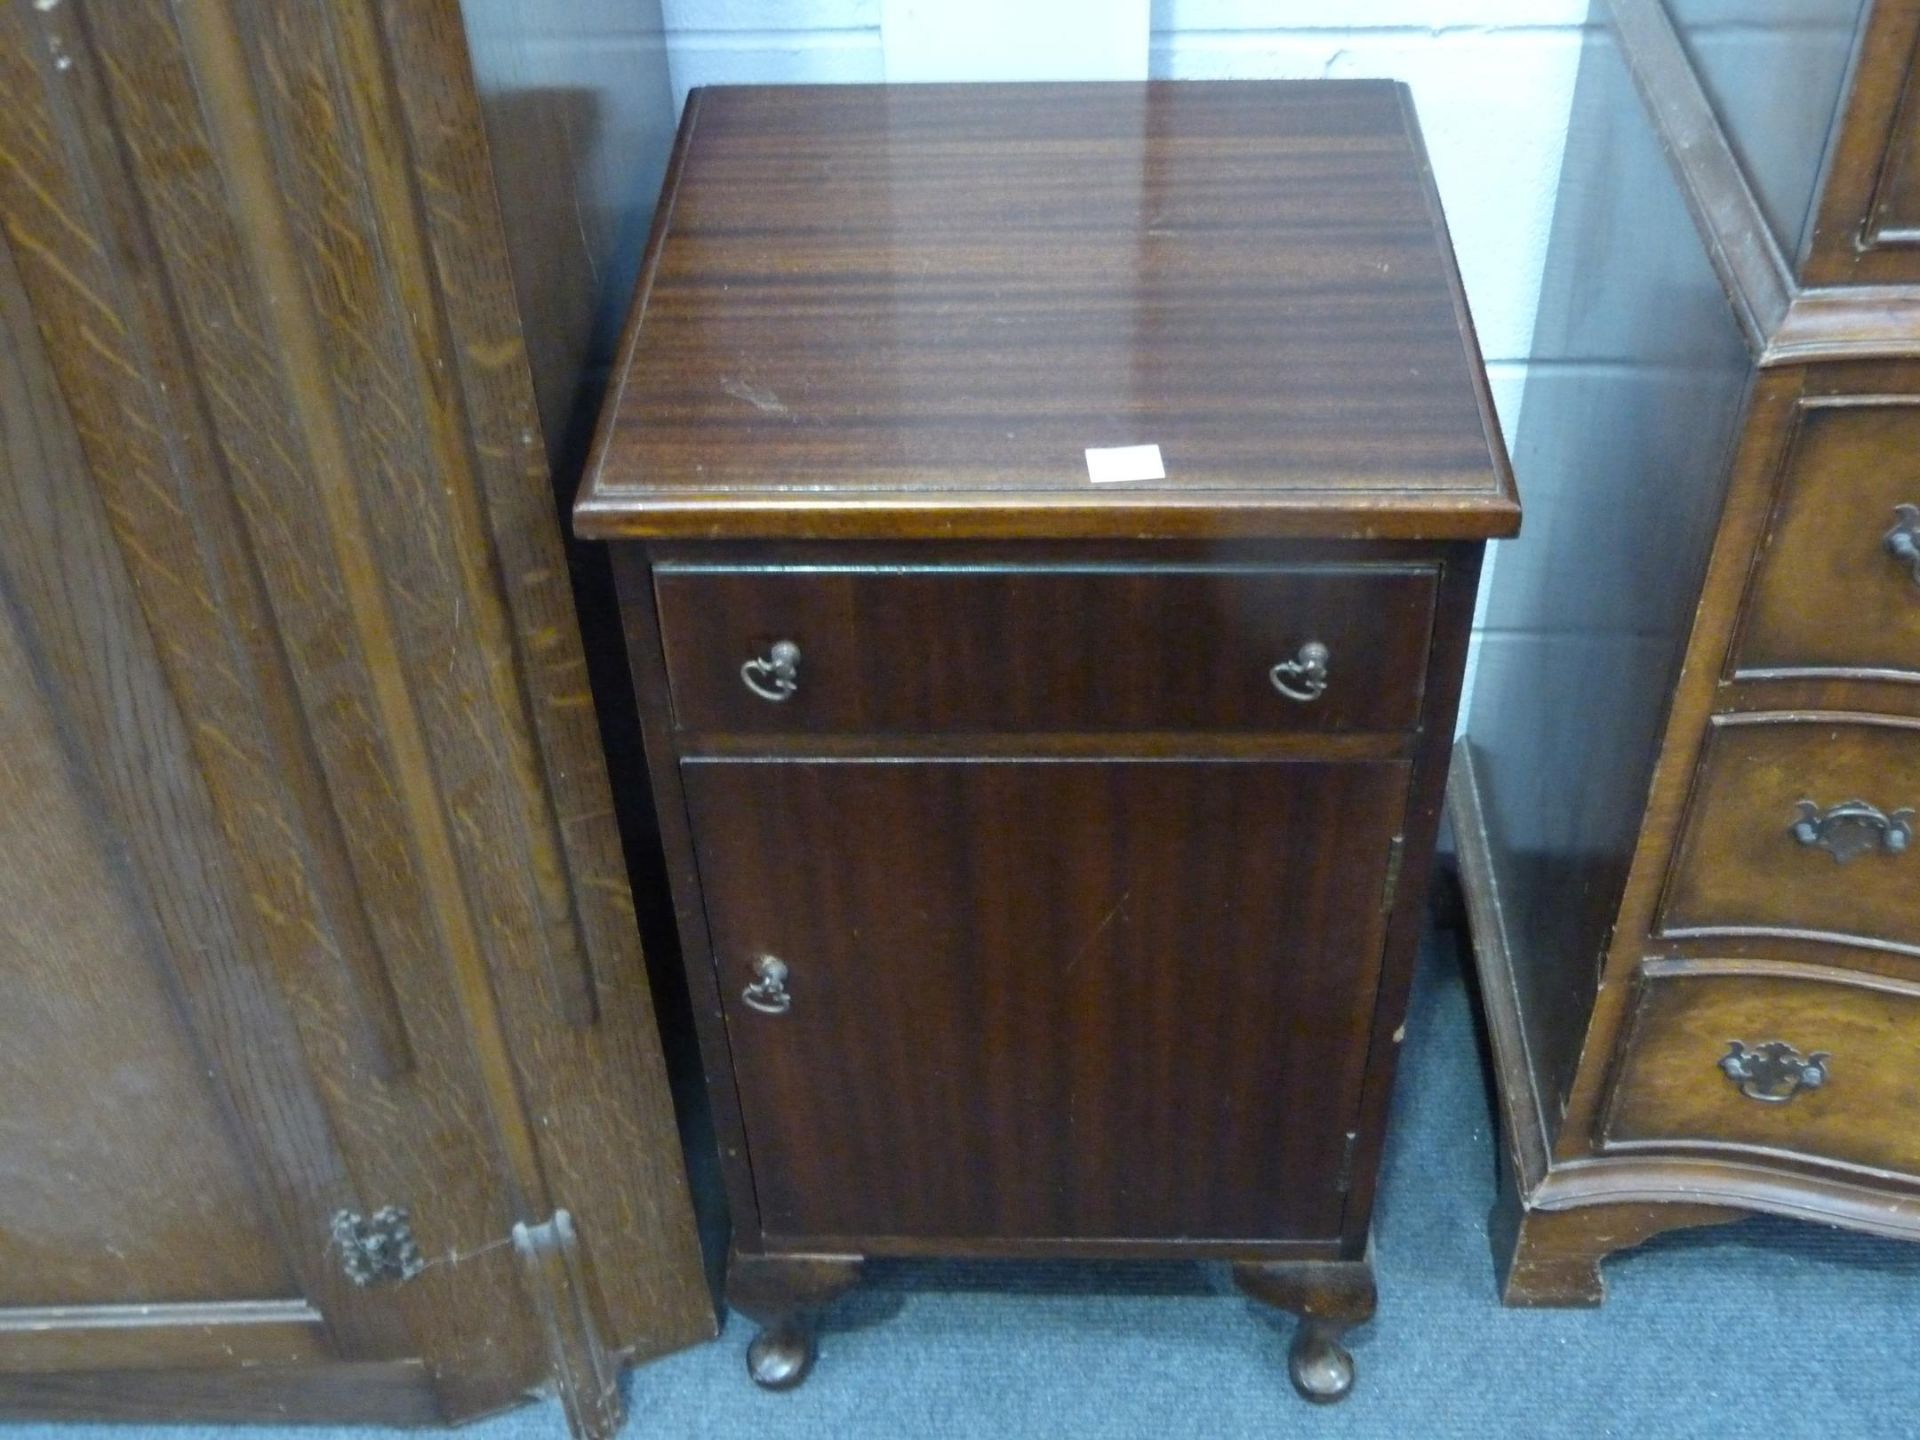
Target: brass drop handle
[[1775, 1072], [1852, 828], [1303, 678], [1903, 540], [776, 675], [768, 992]]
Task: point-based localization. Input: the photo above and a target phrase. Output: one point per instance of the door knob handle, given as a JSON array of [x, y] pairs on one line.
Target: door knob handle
[[1303, 678], [1903, 540], [768, 992], [776, 675]]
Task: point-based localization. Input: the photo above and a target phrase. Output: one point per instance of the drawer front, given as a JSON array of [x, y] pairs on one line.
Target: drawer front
[[1784, 1060], [1836, 588], [1042, 1000], [1802, 826], [1032, 649]]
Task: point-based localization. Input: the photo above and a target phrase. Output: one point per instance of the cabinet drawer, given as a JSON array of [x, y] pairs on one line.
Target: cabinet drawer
[[1802, 825], [1780, 1059], [1836, 589], [929, 649]]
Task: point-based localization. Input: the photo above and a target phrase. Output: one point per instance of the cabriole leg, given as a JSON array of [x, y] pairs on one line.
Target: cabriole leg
[[1330, 1297], [782, 1293]]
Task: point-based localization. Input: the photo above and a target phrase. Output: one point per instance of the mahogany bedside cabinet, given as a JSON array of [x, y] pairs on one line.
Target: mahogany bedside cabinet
[[1047, 520]]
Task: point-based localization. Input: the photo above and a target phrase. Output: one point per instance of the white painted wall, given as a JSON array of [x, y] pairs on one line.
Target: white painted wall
[[772, 42], [1492, 81], [940, 40]]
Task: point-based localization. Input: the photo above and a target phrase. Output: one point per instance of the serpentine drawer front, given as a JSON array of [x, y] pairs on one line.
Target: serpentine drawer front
[[1836, 588], [926, 648], [1802, 826], [1047, 522], [1783, 1060]]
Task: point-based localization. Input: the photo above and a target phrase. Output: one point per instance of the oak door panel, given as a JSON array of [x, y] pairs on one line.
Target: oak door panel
[[1048, 1000], [278, 542], [120, 1178]]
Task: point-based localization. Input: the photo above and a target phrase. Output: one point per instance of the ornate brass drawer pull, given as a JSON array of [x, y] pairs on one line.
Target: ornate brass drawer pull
[[1775, 1072], [768, 992], [1309, 668], [777, 675], [1852, 828], [1903, 540]]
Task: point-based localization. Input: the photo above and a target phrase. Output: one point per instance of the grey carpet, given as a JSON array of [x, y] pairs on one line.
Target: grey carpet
[[1764, 1330]]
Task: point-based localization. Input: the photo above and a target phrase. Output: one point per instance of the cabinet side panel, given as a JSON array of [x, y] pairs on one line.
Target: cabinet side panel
[[1635, 388]]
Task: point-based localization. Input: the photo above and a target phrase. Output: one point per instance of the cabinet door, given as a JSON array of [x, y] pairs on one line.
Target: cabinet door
[[313, 900], [1048, 999]]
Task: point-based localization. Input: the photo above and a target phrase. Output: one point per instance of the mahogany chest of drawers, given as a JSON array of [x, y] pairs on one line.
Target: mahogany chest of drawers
[[1686, 814], [1049, 850]]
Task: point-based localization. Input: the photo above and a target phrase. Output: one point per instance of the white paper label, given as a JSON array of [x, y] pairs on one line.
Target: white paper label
[[1125, 462]]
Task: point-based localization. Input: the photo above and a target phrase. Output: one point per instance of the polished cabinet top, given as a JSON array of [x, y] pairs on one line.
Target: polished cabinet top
[[913, 310]]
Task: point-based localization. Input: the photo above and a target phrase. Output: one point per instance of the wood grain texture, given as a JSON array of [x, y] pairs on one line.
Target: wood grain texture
[[1042, 990], [47, 1339], [280, 543], [69, 924], [1843, 289], [1034, 816], [945, 648], [912, 309], [1670, 1095], [1685, 853], [1849, 463], [1738, 868], [1551, 1259], [358, 1393], [1407, 912], [1866, 223], [1748, 256]]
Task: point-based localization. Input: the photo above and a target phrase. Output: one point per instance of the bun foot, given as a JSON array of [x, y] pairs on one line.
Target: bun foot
[[1330, 1297], [783, 1293], [1321, 1368], [781, 1356]]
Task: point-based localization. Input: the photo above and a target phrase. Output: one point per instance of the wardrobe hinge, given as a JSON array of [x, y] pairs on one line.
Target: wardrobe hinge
[[1395, 850], [1344, 1182], [583, 1367]]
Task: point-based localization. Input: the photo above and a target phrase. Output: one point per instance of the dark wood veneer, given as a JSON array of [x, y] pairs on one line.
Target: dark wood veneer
[[838, 333], [1089, 940], [989, 1058], [905, 648]]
